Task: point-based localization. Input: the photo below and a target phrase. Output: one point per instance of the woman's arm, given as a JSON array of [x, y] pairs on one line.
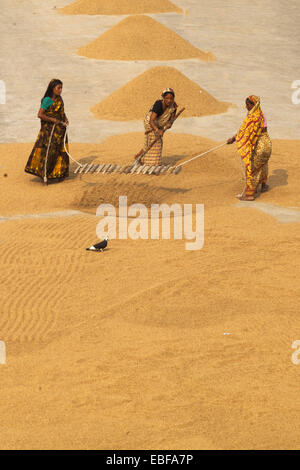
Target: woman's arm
[[231, 140], [153, 125], [66, 120], [43, 116], [171, 120]]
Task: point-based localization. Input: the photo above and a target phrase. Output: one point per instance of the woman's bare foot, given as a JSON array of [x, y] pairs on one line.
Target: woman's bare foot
[[264, 187]]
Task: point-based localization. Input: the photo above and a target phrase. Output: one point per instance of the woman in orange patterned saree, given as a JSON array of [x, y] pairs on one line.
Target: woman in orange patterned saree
[[255, 148], [48, 159]]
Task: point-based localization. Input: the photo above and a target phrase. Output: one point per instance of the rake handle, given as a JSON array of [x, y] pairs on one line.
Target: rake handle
[[147, 150], [201, 154]]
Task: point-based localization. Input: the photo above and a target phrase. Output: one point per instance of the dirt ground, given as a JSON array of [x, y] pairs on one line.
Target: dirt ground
[[126, 349], [149, 345]]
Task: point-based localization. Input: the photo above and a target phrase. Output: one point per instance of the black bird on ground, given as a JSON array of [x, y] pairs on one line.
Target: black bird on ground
[[98, 246]]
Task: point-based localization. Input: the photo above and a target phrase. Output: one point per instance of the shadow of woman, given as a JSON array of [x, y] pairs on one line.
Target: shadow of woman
[[172, 160], [278, 178]]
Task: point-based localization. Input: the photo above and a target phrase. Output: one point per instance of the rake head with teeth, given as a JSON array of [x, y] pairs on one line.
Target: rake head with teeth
[[133, 169]]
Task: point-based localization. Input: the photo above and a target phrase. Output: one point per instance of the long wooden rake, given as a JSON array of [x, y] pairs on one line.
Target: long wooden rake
[[136, 167]]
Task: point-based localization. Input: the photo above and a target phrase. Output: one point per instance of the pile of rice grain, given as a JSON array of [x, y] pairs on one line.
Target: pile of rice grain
[[140, 37], [133, 100], [119, 7]]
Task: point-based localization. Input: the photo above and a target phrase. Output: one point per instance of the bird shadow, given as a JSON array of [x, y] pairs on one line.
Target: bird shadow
[[98, 251]]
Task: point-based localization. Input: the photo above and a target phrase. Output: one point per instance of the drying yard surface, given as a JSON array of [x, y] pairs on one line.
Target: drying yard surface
[[148, 344]]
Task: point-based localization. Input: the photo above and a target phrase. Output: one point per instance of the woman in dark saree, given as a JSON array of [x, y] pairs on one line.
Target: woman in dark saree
[[48, 158]]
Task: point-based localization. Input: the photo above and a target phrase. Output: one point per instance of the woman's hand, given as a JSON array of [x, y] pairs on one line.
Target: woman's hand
[[230, 141], [159, 132]]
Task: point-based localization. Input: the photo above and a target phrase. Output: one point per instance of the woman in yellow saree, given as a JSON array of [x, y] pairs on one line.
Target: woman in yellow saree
[[157, 120], [48, 159], [255, 148]]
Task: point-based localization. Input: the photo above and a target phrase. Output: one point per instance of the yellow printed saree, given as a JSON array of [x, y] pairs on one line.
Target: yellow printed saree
[[254, 147]]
